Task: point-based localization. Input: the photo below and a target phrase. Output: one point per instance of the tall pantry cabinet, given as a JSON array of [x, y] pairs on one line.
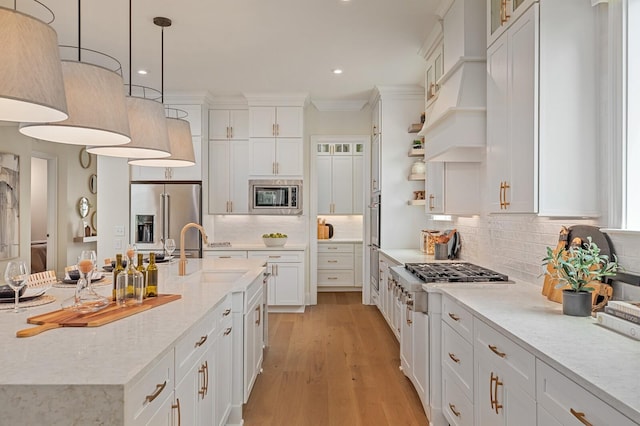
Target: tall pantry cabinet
[[542, 111]]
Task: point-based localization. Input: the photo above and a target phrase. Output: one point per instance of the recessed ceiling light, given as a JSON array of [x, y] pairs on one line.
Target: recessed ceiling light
[[336, 71], [142, 72]]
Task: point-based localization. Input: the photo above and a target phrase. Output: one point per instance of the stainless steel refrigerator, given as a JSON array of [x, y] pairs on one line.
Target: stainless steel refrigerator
[[159, 210]]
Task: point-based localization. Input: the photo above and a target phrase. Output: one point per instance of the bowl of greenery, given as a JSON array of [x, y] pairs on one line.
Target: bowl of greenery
[[274, 239]]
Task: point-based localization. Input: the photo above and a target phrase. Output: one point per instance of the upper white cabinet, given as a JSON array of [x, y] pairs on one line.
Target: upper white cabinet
[[435, 69], [541, 112], [501, 14], [228, 166], [283, 122], [229, 124], [276, 147], [339, 166]]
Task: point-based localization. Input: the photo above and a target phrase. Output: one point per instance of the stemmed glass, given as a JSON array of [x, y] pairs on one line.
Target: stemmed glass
[[86, 299], [16, 275], [169, 246]]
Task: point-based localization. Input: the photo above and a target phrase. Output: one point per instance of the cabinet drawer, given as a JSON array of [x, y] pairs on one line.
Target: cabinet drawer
[[335, 278], [458, 317], [225, 254], [559, 396], [516, 363], [335, 261], [277, 256], [335, 248], [156, 385], [455, 406], [457, 355], [195, 342], [223, 312]]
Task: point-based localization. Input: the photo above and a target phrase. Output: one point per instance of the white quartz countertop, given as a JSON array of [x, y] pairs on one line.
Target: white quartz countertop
[[116, 353], [256, 246], [402, 256], [604, 362], [340, 240]]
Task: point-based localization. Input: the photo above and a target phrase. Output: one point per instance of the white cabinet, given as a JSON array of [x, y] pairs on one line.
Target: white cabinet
[[146, 399], [228, 124], [537, 117], [452, 188], [286, 283], [336, 265], [406, 337], [223, 356], [253, 329], [434, 70], [358, 265], [375, 163], [284, 122], [420, 375], [339, 176], [228, 176], [561, 401], [501, 14], [224, 254], [196, 400], [504, 382]]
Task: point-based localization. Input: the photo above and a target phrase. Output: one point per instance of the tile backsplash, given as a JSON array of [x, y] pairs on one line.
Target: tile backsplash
[[248, 229], [516, 244]]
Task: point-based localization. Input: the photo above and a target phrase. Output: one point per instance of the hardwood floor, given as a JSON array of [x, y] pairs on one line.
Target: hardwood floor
[[336, 364]]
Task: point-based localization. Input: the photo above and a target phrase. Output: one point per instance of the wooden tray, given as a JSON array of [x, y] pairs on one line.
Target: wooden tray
[[67, 318]]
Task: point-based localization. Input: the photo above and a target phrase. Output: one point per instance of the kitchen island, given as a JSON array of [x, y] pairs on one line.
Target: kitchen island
[[84, 375]]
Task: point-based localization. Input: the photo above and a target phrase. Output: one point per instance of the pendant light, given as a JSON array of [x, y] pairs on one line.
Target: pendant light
[[149, 133], [180, 139], [31, 84], [97, 111]]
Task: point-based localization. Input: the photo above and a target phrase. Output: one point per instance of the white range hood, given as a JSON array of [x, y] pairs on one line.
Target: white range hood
[[455, 124]]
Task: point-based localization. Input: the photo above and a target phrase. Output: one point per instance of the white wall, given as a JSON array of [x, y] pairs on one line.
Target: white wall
[[113, 197], [38, 199]]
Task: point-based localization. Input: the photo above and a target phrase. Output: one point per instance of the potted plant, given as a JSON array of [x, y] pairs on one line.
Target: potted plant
[[575, 268]]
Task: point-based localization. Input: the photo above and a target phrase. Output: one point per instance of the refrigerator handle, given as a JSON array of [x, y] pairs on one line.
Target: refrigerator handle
[[168, 215]]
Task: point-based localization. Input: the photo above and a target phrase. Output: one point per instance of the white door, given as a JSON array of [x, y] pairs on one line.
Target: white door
[[289, 122], [358, 184], [289, 157], [239, 178], [288, 284], [435, 188], [324, 183], [263, 156], [239, 124], [262, 122], [219, 124], [342, 184], [219, 172]]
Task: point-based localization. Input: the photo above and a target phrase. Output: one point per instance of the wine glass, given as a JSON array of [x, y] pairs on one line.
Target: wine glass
[[86, 299], [169, 246], [16, 275]]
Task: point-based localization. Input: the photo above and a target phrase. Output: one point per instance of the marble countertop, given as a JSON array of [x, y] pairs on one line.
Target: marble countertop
[[602, 361], [402, 256], [119, 352], [256, 246], [341, 240]]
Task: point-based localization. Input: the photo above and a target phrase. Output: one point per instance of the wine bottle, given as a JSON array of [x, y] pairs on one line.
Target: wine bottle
[[152, 276], [118, 268], [140, 268]]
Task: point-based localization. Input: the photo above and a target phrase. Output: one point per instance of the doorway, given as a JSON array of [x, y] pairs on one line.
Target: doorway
[[43, 212]]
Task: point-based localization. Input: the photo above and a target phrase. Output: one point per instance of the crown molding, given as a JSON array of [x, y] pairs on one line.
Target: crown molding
[[235, 102], [339, 105], [399, 92], [276, 99], [188, 98]]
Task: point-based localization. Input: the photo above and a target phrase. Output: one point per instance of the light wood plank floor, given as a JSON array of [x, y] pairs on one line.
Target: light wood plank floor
[[336, 364]]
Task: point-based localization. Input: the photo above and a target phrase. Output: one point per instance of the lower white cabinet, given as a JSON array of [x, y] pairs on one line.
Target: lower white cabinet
[[286, 283], [336, 265], [253, 328], [223, 356], [146, 400], [193, 392], [224, 254], [561, 401], [457, 409], [420, 373]]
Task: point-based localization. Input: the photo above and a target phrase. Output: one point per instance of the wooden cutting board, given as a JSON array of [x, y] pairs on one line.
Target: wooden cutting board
[[113, 312]]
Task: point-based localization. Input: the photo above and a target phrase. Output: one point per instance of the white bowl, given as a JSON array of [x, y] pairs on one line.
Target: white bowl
[[274, 242]]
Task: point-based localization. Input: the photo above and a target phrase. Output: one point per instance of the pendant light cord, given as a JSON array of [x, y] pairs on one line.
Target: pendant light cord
[[130, 82], [79, 32], [162, 65]]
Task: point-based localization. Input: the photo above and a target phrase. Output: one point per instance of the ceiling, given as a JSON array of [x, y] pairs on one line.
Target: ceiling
[[231, 47]]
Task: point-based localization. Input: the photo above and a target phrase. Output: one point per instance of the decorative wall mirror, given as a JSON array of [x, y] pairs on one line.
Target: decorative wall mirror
[[83, 207], [93, 183], [85, 158]]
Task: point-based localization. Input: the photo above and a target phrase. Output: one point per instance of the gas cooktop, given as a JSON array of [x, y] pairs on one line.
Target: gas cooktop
[[453, 272]]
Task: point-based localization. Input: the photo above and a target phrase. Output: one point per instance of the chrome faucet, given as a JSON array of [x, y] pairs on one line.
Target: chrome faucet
[[182, 265]]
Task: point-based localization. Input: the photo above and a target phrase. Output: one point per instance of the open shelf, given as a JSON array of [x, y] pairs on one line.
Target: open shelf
[[91, 239], [416, 176], [415, 128], [417, 202], [416, 152]]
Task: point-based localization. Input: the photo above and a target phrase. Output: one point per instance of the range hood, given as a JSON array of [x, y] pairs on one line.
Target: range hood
[[455, 124]]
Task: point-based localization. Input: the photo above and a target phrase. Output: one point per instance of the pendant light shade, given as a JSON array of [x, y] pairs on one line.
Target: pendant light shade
[[149, 134], [181, 147], [97, 109], [31, 84]]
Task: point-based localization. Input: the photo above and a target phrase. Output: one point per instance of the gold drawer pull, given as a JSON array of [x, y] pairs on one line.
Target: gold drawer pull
[[224, 257], [580, 416], [226, 312], [177, 405], [453, 358], [454, 317], [453, 410], [332, 261], [201, 341], [227, 331], [495, 350], [274, 257], [158, 391], [332, 278]]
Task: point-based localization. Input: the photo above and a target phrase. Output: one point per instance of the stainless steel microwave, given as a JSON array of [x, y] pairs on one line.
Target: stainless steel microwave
[[275, 197]]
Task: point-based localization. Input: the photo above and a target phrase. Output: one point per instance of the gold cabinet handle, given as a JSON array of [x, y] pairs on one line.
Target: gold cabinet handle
[[177, 405], [454, 358], [226, 311], [228, 132], [431, 198], [231, 132], [453, 410], [454, 317], [230, 206], [580, 416], [206, 377], [201, 341], [227, 331], [274, 256], [375, 130], [332, 261], [202, 390], [155, 393], [495, 350], [501, 195], [258, 311], [495, 392], [332, 278], [505, 187], [277, 129], [224, 257]]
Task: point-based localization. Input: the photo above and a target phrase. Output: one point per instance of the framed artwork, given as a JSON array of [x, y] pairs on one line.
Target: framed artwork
[[9, 206]]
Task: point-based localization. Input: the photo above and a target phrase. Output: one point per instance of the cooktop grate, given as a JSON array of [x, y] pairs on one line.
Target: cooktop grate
[[454, 272]]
